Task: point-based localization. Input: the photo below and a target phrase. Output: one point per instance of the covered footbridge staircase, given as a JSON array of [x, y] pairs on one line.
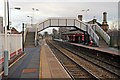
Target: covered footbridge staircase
[[92, 30], [29, 37]]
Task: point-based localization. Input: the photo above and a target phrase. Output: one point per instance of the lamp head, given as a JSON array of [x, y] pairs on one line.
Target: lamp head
[[17, 8]]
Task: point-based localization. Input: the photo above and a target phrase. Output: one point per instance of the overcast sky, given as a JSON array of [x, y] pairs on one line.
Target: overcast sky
[[60, 8]]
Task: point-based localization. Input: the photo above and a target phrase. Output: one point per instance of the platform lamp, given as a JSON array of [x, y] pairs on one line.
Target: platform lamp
[[30, 19], [85, 10], [9, 12], [85, 33], [23, 36], [17, 8], [34, 9]]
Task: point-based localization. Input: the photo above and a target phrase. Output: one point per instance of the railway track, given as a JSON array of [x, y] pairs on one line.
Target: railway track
[[96, 71], [96, 55], [74, 70], [113, 68]]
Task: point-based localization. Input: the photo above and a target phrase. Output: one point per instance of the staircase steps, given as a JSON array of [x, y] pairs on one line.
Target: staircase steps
[[30, 40], [102, 42]]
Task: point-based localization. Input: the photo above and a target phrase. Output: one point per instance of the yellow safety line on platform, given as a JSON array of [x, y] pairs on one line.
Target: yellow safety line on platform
[[13, 63]]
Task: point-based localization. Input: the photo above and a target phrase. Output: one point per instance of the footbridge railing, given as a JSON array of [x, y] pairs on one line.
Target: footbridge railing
[[68, 22], [102, 33]]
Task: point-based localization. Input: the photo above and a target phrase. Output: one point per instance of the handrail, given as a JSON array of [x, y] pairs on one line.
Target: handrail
[[36, 37], [25, 33], [92, 33], [103, 34]]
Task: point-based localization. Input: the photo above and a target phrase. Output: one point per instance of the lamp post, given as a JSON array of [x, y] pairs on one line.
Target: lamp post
[[87, 10], [16, 8], [30, 19], [35, 27], [8, 14], [85, 33], [10, 21], [5, 49], [23, 36], [34, 9]]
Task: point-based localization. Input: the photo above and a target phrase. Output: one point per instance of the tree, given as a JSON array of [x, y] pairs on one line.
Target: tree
[[114, 25], [55, 34]]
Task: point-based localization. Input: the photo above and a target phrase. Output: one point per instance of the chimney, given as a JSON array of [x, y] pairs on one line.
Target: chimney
[[104, 17], [104, 23], [80, 17]]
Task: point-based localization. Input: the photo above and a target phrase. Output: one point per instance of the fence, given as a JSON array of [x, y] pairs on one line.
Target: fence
[[14, 45]]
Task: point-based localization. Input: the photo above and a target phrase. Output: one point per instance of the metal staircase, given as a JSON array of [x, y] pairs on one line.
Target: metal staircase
[[102, 42], [104, 38]]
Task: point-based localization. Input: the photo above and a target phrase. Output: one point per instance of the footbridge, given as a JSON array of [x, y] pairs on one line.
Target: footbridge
[[91, 29]]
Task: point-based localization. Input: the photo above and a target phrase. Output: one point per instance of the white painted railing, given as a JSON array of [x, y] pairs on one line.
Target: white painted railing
[[14, 45], [68, 22], [36, 35], [25, 33], [103, 34], [94, 36]]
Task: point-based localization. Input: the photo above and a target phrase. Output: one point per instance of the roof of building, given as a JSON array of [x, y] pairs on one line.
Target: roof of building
[[14, 31], [94, 21], [99, 23]]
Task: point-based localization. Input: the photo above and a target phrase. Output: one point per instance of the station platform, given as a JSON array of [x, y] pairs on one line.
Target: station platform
[[26, 67], [50, 67], [108, 50]]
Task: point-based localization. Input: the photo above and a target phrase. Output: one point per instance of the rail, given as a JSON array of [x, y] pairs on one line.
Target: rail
[[25, 33], [74, 71], [93, 35], [36, 37], [103, 62], [68, 22]]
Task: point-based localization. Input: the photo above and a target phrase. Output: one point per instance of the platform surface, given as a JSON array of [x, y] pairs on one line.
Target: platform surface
[[27, 67], [108, 50], [50, 67]]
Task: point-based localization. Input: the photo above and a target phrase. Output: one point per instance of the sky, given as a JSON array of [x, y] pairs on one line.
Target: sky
[[59, 8]]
